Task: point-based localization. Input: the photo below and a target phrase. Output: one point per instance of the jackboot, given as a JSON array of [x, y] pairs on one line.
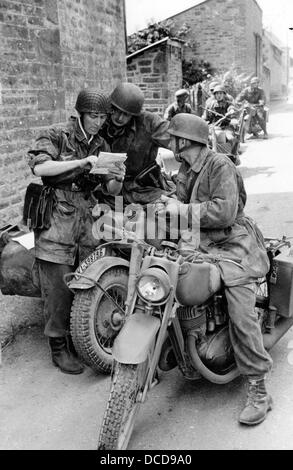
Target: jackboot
[[63, 358], [258, 404]]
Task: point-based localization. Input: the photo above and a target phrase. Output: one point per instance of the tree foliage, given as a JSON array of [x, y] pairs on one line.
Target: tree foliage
[[193, 71], [233, 81], [155, 32], [196, 71]]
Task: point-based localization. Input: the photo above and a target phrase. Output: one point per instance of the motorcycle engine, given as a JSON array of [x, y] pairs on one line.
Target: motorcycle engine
[[210, 322], [191, 318]]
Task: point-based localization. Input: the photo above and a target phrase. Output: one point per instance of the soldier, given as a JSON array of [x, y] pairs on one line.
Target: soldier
[[220, 106], [254, 95], [139, 134], [179, 106], [63, 157], [211, 97], [211, 190]]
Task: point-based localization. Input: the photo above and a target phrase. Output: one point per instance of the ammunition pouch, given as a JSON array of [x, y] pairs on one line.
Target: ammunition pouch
[[38, 206]]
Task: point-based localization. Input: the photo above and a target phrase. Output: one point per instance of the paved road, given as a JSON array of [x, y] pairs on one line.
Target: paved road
[[41, 408]]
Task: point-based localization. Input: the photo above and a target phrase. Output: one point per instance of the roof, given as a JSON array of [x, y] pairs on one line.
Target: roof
[[150, 46]]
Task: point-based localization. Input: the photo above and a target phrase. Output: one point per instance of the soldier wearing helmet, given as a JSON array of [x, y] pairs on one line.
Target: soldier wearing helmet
[[211, 197], [63, 157], [218, 107], [138, 133], [255, 95], [211, 97], [179, 106]]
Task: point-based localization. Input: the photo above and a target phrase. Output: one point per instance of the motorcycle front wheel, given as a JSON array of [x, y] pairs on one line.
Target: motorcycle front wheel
[[96, 321], [122, 407]]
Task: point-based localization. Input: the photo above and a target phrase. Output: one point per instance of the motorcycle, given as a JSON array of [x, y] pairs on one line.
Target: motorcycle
[[255, 112], [100, 286], [227, 140], [95, 320], [176, 316]]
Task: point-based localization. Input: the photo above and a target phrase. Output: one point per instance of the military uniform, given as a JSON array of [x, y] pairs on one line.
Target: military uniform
[[254, 97], [69, 238], [213, 188], [174, 109], [219, 107], [140, 139]]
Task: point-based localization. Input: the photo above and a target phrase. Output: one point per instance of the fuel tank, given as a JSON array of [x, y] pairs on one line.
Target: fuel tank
[[197, 282]]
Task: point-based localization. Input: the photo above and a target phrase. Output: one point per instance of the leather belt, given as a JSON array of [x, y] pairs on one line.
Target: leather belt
[[73, 187]]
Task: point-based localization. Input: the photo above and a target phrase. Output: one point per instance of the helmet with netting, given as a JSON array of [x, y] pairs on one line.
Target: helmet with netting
[[92, 101]]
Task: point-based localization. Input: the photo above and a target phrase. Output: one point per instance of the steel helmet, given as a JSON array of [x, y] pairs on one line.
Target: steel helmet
[[182, 92], [128, 98], [219, 88], [212, 85], [189, 126], [254, 80], [91, 101]]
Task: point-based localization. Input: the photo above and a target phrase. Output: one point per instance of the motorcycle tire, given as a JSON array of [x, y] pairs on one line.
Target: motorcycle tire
[[122, 406], [91, 323]]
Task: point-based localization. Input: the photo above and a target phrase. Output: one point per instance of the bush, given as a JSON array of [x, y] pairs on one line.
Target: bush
[[153, 33], [233, 81], [196, 71]]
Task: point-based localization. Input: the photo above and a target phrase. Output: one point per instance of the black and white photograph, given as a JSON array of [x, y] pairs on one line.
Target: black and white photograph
[[146, 228]]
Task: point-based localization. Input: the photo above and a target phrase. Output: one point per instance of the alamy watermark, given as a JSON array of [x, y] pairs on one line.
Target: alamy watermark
[[146, 222]]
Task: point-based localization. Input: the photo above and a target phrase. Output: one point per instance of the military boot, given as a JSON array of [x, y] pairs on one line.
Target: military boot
[[63, 358], [258, 404]]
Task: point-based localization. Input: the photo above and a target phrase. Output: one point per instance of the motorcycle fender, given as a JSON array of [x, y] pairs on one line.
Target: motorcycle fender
[[134, 341], [95, 271]]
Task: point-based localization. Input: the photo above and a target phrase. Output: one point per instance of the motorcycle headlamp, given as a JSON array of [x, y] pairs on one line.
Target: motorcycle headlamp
[[154, 286]]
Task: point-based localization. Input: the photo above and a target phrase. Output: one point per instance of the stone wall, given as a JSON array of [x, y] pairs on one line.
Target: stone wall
[[223, 33], [50, 49], [157, 70]]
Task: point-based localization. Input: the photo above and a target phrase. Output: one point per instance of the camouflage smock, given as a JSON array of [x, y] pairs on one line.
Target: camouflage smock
[[214, 183], [69, 238], [252, 96], [140, 139], [174, 109]]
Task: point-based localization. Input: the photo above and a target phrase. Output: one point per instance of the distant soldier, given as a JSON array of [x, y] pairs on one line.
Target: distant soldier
[[255, 96], [179, 106], [218, 107], [211, 98]]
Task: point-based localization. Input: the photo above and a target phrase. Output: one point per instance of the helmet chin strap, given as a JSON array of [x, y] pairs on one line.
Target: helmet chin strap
[[181, 148], [82, 129]]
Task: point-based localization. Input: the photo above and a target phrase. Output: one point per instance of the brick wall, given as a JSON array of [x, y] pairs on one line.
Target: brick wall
[[158, 72], [223, 32], [50, 49]]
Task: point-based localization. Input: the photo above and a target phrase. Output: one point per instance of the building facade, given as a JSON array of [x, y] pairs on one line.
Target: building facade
[[225, 33], [50, 49], [277, 60]]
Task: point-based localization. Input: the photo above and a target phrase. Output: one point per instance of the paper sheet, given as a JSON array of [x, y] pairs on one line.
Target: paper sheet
[[107, 161]]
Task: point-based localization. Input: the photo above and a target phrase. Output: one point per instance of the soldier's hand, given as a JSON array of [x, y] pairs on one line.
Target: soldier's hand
[[170, 205], [91, 160], [118, 171]]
